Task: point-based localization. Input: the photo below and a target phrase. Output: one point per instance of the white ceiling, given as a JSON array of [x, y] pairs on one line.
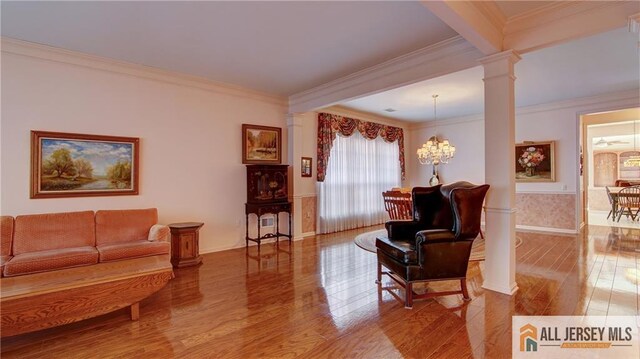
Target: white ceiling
[[617, 136], [276, 47], [288, 47], [603, 63]]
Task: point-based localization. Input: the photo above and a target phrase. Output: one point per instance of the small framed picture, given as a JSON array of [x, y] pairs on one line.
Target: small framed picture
[[261, 144], [305, 166]]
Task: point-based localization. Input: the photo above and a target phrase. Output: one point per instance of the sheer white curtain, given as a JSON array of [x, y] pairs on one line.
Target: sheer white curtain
[[359, 170]]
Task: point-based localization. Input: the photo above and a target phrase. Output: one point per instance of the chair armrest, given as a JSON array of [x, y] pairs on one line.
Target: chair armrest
[[434, 236], [160, 233], [439, 252], [397, 230]]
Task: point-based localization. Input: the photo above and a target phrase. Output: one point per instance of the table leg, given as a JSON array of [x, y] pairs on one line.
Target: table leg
[[259, 232], [277, 227], [289, 227]]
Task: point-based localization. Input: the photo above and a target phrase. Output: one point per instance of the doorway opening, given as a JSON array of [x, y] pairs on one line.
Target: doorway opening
[[608, 141]]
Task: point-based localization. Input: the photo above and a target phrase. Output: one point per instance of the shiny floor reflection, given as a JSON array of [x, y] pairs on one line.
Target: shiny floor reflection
[[318, 298]]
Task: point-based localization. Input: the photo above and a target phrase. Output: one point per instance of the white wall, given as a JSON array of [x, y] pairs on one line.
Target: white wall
[[190, 151], [556, 121], [467, 134]]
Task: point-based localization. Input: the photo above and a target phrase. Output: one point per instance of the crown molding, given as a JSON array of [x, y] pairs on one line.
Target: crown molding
[[439, 59], [564, 21], [492, 12], [629, 98], [615, 100], [54, 54], [447, 122]]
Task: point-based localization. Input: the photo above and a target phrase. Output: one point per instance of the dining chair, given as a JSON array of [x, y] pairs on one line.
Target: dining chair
[[611, 201], [628, 202], [398, 204]]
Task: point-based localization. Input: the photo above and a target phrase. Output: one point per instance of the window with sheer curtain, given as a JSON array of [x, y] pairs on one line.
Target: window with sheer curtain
[[358, 172]]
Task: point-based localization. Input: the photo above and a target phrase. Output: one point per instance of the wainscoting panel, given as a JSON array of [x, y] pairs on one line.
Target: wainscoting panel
[[309, 214], [546, 210]]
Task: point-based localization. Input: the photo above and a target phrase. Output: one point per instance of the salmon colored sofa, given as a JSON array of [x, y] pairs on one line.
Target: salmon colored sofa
[[93, 263]]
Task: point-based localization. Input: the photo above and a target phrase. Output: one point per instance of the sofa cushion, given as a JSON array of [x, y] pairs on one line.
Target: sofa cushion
[[134, 249], [400, 250], [6, 235], [44, 261], [118, 226], [41, 232]]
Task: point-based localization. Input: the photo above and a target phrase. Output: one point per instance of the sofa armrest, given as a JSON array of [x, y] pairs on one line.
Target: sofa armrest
[[160, 233], [406, 230]]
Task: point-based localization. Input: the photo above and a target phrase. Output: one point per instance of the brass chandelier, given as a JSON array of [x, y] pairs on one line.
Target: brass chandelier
[[435, 151]]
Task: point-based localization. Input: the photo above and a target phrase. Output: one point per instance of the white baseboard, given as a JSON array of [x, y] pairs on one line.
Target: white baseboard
[[546, 229], [539, 229], [501, 289]]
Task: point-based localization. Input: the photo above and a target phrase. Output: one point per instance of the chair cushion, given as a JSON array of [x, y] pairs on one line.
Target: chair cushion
[[135, 249], [43, 232], [118, 226], [43, 261], [400, 250]]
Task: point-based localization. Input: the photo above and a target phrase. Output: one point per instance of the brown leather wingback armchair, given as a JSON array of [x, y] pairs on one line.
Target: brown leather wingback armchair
[[436, 244]]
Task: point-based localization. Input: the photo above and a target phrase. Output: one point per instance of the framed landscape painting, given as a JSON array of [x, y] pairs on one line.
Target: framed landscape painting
[[535, 162], [79, 165], [261, 144]]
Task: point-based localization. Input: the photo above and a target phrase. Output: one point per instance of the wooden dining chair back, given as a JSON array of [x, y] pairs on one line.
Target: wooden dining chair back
[[398, 204], [610, 197], [629, 202]]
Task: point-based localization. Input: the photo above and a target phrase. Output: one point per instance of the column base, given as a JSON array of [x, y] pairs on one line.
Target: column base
[[501, 289]]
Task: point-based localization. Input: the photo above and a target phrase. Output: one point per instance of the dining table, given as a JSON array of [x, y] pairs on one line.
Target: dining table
[[615, 194]]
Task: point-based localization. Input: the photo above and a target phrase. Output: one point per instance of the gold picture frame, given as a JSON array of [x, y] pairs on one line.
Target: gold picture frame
[[261, 144], [82, 165], [535, 161]]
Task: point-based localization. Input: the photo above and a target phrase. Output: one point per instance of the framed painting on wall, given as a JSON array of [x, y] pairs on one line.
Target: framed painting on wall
[[80, 165], [535, 161], [261, 144], [305, 166]]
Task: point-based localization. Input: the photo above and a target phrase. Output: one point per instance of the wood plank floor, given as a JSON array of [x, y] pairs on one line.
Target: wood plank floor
[[318, 299]]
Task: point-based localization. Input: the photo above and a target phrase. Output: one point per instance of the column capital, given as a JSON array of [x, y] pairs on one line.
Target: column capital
[[510, 55], [295, 119]]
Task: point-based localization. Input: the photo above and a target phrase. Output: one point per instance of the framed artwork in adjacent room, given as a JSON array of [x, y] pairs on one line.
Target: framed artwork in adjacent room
[[80, 165], [305, 166], [261, 144], [535, 161]]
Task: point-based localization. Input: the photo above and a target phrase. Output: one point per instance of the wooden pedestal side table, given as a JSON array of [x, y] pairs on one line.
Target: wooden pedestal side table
[[185, 244]]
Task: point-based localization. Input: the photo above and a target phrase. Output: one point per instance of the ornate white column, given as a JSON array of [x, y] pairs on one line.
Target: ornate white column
[[294, 131], [499, 122]]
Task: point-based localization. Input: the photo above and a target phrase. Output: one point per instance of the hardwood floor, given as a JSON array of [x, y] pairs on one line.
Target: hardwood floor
[[318, 298]]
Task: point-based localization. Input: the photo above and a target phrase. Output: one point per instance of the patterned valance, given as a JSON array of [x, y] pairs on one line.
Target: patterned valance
[[329, 125]]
